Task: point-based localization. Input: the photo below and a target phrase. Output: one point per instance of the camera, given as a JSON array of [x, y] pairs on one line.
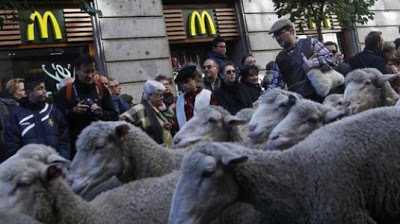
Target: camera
[[96, 112]]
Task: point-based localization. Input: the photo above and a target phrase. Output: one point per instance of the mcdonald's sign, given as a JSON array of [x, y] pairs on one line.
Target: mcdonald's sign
[[47, 26], [198, 22]]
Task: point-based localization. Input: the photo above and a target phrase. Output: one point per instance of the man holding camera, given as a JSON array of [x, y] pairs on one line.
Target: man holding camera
[[84, 101]]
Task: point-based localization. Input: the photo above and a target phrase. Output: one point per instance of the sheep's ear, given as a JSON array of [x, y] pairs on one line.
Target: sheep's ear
[[55, 158], [385, 78], [230, 159], [122, 130], [233, 120], [51, 172]]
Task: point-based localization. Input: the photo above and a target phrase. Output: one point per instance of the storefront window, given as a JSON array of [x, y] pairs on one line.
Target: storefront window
[[54, 64]]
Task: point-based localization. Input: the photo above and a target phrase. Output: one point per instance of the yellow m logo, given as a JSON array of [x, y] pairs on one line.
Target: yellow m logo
[[42, 22], [201, 19]]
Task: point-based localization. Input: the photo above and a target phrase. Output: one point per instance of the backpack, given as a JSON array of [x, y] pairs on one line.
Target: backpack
[[69, 87]]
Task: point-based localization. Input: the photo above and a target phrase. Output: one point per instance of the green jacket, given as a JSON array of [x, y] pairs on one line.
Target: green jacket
[[137, 116]]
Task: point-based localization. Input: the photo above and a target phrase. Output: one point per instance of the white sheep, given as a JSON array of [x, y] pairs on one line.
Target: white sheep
[[37, 189], [7, 217], [244, 114], [303, 118], [334, 100], [274, 106], [105, 149], [212, 123], [367, 88], [345, 172]]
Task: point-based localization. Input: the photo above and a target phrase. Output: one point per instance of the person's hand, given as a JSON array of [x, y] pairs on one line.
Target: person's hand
[[307, 66], [172, 107], [167, 125], [80, 108]]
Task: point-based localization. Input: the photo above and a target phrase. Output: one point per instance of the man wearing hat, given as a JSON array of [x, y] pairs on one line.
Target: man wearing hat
[[290, 68], [194, 97]]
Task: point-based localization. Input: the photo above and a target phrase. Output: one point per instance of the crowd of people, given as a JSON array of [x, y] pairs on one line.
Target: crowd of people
[[26, 116]]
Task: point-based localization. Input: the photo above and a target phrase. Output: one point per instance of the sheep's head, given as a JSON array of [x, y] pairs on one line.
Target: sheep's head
[[25, 184], [367, 88], [335, 101], [206, 185], [303, 118], [99, 155], [273, 107], [212, 123]]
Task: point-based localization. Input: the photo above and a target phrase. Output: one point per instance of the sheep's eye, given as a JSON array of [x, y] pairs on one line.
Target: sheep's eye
[[22, 185], [99, 146], [312, 120], [208, 173], [339, 103], [282, 105], [212, 120], [368, 82]]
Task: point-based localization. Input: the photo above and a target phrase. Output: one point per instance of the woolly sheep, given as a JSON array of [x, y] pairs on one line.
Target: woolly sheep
[[334, 100], [398, 103], [36, 190], [345, 172], [105, 149], [244, 114], [274, 106], [212, 123], [367, 88], [303, 118], [16, 218]]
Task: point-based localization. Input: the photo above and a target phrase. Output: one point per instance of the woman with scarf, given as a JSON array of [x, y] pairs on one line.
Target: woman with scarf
[[232, 95], [151, 115]]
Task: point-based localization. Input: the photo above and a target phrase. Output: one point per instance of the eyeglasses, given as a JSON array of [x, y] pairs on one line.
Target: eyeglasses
[[221, 46], [279, 33], [112, 87], [334, 51], [229, 72], [205, 67]]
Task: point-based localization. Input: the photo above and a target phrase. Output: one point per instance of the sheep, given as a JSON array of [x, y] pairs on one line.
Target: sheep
[[207, 125], [344, 172], [16, 218], [274, 106], [304, 117], [36, 189], [334, 100], [398, 103], [105, 149], [244, 114], [367, 88]]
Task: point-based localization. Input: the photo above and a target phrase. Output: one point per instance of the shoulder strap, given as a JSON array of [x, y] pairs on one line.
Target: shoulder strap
[[99, 87], [68, 92]]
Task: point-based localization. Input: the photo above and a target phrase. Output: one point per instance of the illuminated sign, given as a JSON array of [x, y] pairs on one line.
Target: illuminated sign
[[46, 27], [42, 21], [200, 20]]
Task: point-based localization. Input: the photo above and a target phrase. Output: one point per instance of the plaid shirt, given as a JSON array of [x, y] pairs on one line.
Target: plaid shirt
[[324, 58]]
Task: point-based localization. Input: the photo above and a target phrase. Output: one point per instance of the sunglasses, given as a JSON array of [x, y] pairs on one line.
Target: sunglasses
[[207, 67], [229, 72]]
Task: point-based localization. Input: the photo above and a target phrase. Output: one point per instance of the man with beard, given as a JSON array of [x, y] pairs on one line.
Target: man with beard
[[35, 121], [290, 69], [84, 101]]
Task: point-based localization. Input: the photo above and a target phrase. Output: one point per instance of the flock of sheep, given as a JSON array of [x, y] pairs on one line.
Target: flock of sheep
[[289, 161]]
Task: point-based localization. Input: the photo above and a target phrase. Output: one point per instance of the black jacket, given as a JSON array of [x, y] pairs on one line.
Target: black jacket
[[233, 98], [39, 123], [369, 59], [254, 90], [78, 122]]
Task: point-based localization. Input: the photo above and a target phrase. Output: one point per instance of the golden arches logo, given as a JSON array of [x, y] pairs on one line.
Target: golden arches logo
[[42, 22], [201, 19]]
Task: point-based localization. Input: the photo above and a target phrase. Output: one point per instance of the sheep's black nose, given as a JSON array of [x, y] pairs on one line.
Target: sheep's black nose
[[252, 127], [177, 140], [274, 137]]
